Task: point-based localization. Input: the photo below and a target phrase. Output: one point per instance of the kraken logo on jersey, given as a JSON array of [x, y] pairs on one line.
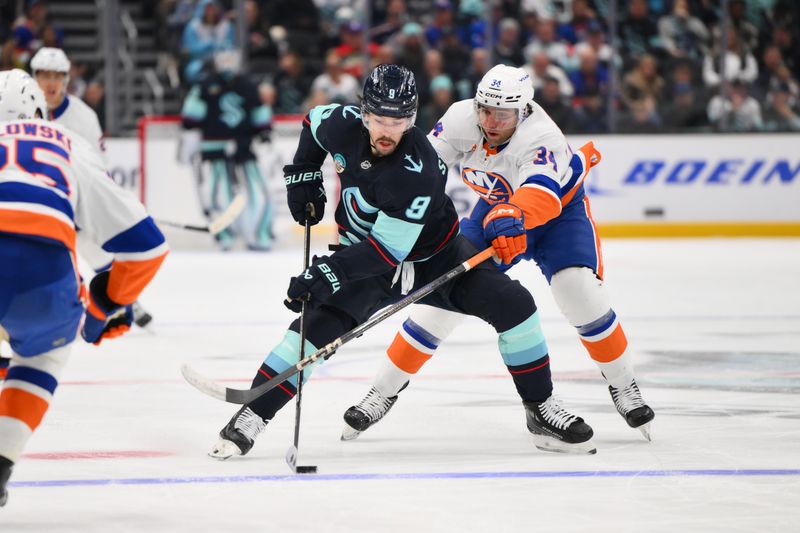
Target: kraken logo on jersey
[[490, 186], [231, 105]]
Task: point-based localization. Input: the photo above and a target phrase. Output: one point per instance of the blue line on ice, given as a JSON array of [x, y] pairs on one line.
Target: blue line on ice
[[389, 476]]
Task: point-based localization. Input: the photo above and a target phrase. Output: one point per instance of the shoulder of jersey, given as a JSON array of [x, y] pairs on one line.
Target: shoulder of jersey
[[80, 105], [537, 130], [459, 124]]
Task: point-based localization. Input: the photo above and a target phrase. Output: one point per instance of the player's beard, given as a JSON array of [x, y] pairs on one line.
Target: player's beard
[[383, 151]]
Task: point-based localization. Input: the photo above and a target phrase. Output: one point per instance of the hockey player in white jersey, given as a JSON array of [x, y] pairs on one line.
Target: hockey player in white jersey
[[516, 159], [51, 183], [50, 67]]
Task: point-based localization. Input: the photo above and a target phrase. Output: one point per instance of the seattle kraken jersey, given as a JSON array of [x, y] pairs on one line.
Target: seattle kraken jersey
[[392, 208], [226, 109], [536, 160]]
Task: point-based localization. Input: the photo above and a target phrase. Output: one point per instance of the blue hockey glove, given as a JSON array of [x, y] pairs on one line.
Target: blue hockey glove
[[316, 284], [503, 227], [104, 319], [303, 187]]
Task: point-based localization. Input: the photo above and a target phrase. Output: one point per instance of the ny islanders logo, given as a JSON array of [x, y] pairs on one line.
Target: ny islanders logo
[[490, 186]]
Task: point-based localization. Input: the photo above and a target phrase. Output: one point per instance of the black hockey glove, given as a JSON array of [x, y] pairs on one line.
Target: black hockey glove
[[316, 284], [304, 186]]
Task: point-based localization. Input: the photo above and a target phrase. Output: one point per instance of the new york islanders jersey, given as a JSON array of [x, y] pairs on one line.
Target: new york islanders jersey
[[392, 208], [536, 169], [81, 119], [52, 183]]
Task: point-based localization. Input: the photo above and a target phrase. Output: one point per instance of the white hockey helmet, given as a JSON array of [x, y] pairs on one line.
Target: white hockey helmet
[[50, 59], [506, 87], [20, 96]]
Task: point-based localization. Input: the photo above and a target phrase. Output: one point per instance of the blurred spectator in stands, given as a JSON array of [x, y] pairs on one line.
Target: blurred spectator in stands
[[292, 84], [684, 109], [642, 118], [470, 24], [259, 42], [780, 113], [738, 109], [739, 63], [507, 49], [411, 48], [434, 66], [746, 31], [541, 69], [77, 81], [396, 18], [683, 35], [467, 82], [558, 10], [442, 18], [384, 55], [577, 29], [547, 41], [455, 54], [335, 85], [642, 86], [788, 42], [590, 114], [27, 35], [771, 62], [299, 17], [441, 89], [208, 32], [550, 96], [351, 34], [267, 94], [591, 77], [94, 96], [638, 33], [596, 38]]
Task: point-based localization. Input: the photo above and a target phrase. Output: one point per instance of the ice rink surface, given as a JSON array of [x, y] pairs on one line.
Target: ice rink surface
[[714, 326]]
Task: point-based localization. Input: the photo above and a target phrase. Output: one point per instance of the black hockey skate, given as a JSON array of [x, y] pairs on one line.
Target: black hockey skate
[[554, 429], [141, 317], [631, 406], [369, 411], [5, 474], [238, 435]]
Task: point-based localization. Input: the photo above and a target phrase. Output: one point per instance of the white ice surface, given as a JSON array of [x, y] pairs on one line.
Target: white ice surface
[[714, 326]]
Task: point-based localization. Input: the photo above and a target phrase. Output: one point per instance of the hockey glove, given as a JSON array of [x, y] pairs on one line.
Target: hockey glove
[[105, 319], [304, 186], [316, 284], [503, 227]]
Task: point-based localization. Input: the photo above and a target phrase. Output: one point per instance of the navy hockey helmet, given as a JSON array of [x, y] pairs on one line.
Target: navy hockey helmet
[[390, 91]]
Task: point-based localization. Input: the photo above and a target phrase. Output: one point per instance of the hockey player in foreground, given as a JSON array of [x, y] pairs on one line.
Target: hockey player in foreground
[[50, 67], [398, 231], [515, 157], [52, 182]]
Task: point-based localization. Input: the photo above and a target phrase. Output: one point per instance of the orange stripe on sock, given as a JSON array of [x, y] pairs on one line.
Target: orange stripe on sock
[[608, 349], [406, 357], [23, 405]]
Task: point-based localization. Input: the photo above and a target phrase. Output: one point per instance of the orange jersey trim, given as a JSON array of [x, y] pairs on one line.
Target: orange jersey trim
[[128, 279], [539, 207], [37, 225]]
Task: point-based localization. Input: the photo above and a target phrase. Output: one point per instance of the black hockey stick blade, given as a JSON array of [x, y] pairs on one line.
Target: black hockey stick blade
[[291, 460], [244, 396]]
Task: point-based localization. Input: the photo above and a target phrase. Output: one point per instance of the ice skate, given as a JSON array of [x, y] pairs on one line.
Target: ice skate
[[370, 410], [631, 406], [140, 316], [238, 436], [554, 429], [5, 474]]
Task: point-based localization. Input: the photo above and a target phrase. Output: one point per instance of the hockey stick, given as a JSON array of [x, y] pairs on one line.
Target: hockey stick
[[244, 396], [225, 219], [292, 452]]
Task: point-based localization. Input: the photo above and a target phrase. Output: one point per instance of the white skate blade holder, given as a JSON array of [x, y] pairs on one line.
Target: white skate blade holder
[[645, 429], [549, 444], [224, 449], [349, 433]]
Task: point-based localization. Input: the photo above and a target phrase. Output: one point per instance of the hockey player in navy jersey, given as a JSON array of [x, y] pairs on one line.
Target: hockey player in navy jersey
[[516, 159], [398, 231], [226, 108], [51, 183]]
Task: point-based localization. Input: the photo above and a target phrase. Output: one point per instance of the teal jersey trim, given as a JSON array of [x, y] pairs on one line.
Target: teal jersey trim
[[261, 116], [397, 236], [194, 108], [316, 116], [287, 354], [524, 343]]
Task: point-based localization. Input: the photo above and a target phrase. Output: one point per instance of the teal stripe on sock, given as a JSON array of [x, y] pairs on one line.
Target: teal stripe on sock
[[524, 343], [287, 354]]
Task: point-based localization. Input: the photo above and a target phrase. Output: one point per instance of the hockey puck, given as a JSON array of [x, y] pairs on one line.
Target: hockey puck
[[306, 470]]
